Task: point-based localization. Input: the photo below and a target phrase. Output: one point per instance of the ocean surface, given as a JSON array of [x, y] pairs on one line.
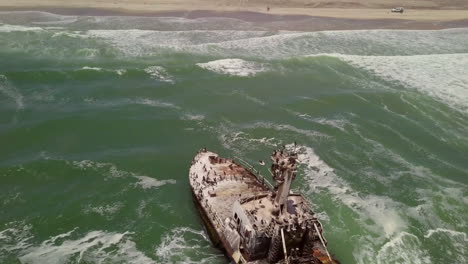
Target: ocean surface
[[101, 116]]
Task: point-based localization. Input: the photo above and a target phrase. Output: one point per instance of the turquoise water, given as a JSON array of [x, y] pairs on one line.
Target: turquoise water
[[100, 117]]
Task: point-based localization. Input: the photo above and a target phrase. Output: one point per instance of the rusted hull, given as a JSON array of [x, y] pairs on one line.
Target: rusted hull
[[218, 241], [214, 236]]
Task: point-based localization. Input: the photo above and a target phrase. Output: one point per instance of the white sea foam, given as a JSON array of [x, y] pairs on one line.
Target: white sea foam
[[104, 210], [88, 52], [95, 247], [135, 42], [16, 197], [442, 76], [336, 123], [155, 103], [99, 69], [146, 182], [159, 73], [390, 218], [15, 238], [447, 231], [137, 101], [452, 243], [250, 98], [63, 21], [186, 245], [242, 138], [284, 44], [233, 67], [141, 208], [405, 167], [12, 92], [17, 28], [236, 140], [71, 34], [362, 42], [91, 68], [89, 164], [121, 71], [287, 128], [381, 210], [111, 170], [404, 247], [193, 117]]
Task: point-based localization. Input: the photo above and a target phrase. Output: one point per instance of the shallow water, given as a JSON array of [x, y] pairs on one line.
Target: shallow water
[[100, 117]]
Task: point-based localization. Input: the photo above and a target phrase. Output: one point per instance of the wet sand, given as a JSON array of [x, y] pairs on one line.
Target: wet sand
[[264, 20], [420, 10]]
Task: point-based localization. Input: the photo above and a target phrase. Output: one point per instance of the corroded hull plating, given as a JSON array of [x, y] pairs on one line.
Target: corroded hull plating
[[214, 236], [219, 186]]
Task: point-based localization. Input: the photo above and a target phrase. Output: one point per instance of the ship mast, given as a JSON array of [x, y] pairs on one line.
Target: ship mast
[[283, 169]]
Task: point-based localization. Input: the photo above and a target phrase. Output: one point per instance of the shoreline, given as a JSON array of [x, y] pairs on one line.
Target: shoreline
[[418, 10], [266, 20]]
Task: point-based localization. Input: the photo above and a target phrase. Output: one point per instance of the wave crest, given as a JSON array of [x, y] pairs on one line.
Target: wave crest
[[233, 67]]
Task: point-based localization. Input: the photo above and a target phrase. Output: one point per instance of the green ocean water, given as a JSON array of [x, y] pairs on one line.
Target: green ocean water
[[101, 116]]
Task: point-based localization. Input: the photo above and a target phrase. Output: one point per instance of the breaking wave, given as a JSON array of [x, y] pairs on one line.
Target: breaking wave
[[159, 73], [17, 28], [284, 44], [444, 77], [233, 67]]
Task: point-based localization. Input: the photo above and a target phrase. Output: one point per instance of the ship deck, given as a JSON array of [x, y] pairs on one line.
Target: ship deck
[[218, 182]]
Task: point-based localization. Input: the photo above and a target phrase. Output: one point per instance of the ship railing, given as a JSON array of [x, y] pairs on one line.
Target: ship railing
[[309, 207], [255, 172], [214, 217], [218, 221], [306, 202]]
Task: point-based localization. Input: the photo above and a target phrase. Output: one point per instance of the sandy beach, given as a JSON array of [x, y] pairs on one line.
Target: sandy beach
[[418, 10]]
